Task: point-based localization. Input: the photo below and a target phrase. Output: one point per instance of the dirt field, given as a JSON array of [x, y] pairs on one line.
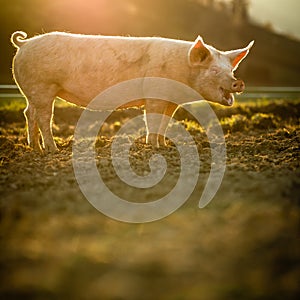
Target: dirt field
[[243, 245]]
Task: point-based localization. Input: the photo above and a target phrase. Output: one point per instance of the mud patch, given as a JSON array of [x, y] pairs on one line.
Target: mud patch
[[243, 245]]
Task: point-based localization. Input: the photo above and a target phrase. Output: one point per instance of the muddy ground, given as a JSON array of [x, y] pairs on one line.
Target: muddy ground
[[243, 245]]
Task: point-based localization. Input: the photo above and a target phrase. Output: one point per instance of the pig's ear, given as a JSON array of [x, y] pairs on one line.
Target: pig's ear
[[198, 52], [236, 56]]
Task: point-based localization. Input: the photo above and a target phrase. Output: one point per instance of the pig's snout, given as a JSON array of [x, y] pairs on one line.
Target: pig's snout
[[238, 86]]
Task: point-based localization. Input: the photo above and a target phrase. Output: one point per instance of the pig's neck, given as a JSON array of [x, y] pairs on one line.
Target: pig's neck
[[173, 65]]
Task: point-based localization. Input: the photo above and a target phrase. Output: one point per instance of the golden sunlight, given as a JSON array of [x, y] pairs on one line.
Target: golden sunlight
[[90, 16]]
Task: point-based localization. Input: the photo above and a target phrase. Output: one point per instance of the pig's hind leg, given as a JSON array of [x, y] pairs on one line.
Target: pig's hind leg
[[44, 119], [32, 127], [39, 114]]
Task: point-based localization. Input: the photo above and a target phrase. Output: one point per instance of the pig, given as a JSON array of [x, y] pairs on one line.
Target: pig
[[77, 68]]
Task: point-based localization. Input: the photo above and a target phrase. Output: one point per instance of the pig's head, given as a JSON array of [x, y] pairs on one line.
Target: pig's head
[[212, 71]]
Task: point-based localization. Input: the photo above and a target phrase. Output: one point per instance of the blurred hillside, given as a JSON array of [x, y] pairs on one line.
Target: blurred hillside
[[272, 61]]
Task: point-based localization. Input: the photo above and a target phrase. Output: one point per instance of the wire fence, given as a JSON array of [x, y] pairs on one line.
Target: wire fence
[[254, 92]]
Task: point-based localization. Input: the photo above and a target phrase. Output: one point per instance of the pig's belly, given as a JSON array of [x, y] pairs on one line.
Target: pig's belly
[[84, 101], [69, 97]]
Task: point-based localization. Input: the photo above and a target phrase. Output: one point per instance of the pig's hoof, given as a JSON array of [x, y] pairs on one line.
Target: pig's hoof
[[51, 149], [156, 140], [37, 149]]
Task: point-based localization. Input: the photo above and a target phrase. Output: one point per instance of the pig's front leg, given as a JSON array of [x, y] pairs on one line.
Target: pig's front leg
[[157, 124]]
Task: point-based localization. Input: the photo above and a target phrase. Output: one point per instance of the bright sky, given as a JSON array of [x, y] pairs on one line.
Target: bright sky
[[284, 15]]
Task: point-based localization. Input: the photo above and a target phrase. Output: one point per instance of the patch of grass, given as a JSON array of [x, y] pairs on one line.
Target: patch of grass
[[17, 104], [235, 123], [192, 126], [241, 123], [12, 104], [62, 103], [263, 121]]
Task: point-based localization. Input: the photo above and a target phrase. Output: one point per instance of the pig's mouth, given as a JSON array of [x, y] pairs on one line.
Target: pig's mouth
[[227, 97]]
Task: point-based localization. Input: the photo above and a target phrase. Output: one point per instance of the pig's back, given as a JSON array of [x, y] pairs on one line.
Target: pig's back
[[75, 61]]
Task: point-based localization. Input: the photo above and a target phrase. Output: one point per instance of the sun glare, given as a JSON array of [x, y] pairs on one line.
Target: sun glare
[[92, 15], [102, 16]]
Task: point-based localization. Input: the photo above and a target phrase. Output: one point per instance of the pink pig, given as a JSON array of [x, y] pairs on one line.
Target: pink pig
[[77, 68]]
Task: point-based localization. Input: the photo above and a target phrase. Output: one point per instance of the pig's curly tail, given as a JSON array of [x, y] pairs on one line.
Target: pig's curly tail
[[18, 38]]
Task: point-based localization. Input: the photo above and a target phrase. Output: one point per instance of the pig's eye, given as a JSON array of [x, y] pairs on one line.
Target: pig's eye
[[215, 70]]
